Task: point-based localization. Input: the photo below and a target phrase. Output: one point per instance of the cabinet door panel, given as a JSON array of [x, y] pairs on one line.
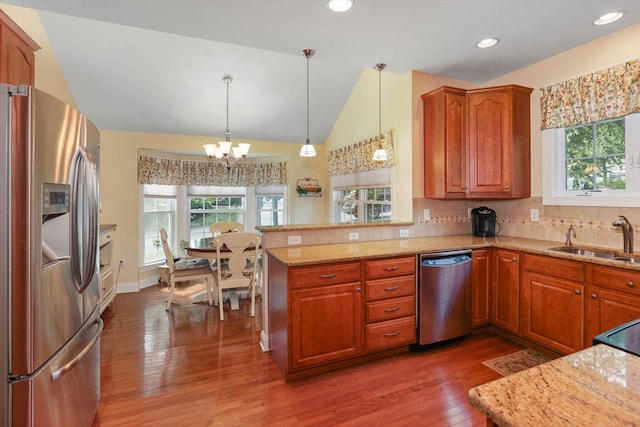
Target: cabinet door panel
[[326, 324], [390, 267], [553, 312], [481, 287], [608, 309], [505, 290]]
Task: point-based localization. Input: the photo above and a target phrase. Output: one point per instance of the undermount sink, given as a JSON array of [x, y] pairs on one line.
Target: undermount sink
[[629, 259], [587, 252]]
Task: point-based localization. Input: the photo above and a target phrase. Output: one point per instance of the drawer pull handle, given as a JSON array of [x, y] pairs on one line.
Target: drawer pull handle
[[394, 268], [391, 310], [392, 288], [392, 334], [577, 292], [327, 276], [630, 284], [594, 296]]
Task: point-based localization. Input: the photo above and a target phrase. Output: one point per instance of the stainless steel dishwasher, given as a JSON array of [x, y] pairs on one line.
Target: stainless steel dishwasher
[[444, 296]]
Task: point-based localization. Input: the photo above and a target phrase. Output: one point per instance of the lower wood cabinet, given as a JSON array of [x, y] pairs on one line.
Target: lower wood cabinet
[[326, 324], [321, 315], [481, 287], [614, 299], [505, 290], [552, 302]]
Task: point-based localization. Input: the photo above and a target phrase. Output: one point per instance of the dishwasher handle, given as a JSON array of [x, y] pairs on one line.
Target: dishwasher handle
[[444, 259]]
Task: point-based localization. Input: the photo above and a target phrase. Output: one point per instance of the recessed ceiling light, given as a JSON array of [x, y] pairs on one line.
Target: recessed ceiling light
[[340, 5], [483, 44], [608, 18]]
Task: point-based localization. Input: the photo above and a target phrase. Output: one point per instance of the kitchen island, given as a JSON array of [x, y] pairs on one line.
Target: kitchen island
[[598, 386]]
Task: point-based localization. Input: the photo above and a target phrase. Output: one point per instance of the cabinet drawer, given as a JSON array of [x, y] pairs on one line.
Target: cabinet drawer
[[390, 334], [617, 278], [332, 274], [390, 267], [560, 268], [391, 288], [106, 238], [390, 309]]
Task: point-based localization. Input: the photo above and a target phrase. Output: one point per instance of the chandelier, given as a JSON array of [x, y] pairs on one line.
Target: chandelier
[[224, 152]]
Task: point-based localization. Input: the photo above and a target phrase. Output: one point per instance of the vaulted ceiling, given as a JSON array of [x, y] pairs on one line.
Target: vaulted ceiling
[[157, 65]]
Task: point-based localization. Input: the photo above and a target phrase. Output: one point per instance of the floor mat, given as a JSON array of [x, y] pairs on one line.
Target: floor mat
[[516, 362]]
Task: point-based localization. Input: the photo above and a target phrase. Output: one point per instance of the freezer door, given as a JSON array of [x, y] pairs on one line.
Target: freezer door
[[66, 390]]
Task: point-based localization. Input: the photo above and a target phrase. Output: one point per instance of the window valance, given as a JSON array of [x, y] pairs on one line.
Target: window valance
[[165, 171], [358, 157], [605, 94]]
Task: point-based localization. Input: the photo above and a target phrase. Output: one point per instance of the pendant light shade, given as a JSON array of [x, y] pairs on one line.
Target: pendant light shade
[[380, 155], [307, 149]]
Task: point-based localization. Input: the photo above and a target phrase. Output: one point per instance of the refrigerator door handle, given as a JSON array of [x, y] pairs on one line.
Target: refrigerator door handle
[[78, 357], [84, 186]]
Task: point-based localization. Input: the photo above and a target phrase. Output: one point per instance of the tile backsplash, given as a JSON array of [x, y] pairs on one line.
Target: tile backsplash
[[593, 225]]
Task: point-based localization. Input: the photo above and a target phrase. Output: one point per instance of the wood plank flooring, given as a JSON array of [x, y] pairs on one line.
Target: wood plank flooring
[[186, 368]]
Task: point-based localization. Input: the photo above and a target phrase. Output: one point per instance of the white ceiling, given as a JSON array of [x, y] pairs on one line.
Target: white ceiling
[[157, 65]]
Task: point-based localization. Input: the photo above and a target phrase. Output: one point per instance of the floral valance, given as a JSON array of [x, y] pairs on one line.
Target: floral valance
[[157, 170], [358, 157], [605, 94]]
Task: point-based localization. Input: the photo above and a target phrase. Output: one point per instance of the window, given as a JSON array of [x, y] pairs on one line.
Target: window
[[270, 206], [593, 164], [208, 205], [362, 196], [363, 205], [159, 212]]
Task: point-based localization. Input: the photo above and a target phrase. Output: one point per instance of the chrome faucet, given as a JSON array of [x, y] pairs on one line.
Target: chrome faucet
[[627, 233], [570, 232]]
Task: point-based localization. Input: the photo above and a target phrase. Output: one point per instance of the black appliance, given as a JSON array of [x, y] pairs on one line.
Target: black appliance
[[625, 337], [483, 221]]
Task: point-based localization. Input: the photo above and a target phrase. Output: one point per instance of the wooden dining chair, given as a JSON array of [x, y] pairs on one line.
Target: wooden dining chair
[[225, 227], [239, 269], [192, 271]]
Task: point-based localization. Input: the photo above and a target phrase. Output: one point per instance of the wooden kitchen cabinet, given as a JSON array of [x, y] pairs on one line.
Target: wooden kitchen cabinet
[[319, 317], [505, 290], [477, 143], [614, 299], [445, 143], [390, 309], [481, 287], [17, 57], [552, 301], [499, 142]]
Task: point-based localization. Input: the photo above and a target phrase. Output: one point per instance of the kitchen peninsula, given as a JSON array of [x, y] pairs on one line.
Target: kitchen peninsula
[[521, 276]]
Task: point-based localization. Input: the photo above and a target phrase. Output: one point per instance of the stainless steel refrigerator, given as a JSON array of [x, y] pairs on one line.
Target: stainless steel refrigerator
[[50, 324]]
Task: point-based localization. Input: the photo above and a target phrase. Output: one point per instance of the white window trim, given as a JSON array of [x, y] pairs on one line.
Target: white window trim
[[553, 171]]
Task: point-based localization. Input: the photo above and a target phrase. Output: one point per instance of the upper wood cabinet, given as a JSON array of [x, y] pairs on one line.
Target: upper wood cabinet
[[17, 58], [477, 143]]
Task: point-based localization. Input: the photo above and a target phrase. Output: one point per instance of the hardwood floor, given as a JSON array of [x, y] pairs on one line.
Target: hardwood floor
[[186, 368]]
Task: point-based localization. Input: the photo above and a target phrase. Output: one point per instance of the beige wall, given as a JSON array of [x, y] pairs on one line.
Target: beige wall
[[358, 121]]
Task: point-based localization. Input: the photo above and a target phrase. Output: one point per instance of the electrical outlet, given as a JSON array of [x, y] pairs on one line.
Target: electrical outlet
[[427, 215], [354, 236], [404, 232], [534, 215], [420, 220], [294, 240], [122, 264]]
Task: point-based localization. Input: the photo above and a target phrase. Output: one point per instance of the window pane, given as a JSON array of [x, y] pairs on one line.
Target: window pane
[[363, 205], [208, 210], [158, 214], [270, 210]]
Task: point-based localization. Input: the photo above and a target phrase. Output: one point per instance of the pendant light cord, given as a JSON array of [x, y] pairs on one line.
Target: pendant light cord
[[227, 134], [380, 67], [308, 53]]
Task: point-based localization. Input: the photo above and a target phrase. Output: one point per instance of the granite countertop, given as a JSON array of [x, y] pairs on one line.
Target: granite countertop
[[317, 254], [598, 386]]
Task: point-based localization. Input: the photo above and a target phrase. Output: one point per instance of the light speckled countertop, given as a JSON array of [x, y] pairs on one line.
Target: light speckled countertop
[[309, 255], [598, 386]]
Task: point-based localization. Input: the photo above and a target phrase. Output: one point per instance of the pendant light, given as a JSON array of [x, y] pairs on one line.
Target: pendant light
[[224, 152], [307, 149], [380, 155]]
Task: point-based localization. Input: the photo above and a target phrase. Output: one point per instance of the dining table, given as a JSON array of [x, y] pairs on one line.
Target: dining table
[[206, 248]]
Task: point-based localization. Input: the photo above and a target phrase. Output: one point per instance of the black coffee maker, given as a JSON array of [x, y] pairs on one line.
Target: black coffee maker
[[483, 221]]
